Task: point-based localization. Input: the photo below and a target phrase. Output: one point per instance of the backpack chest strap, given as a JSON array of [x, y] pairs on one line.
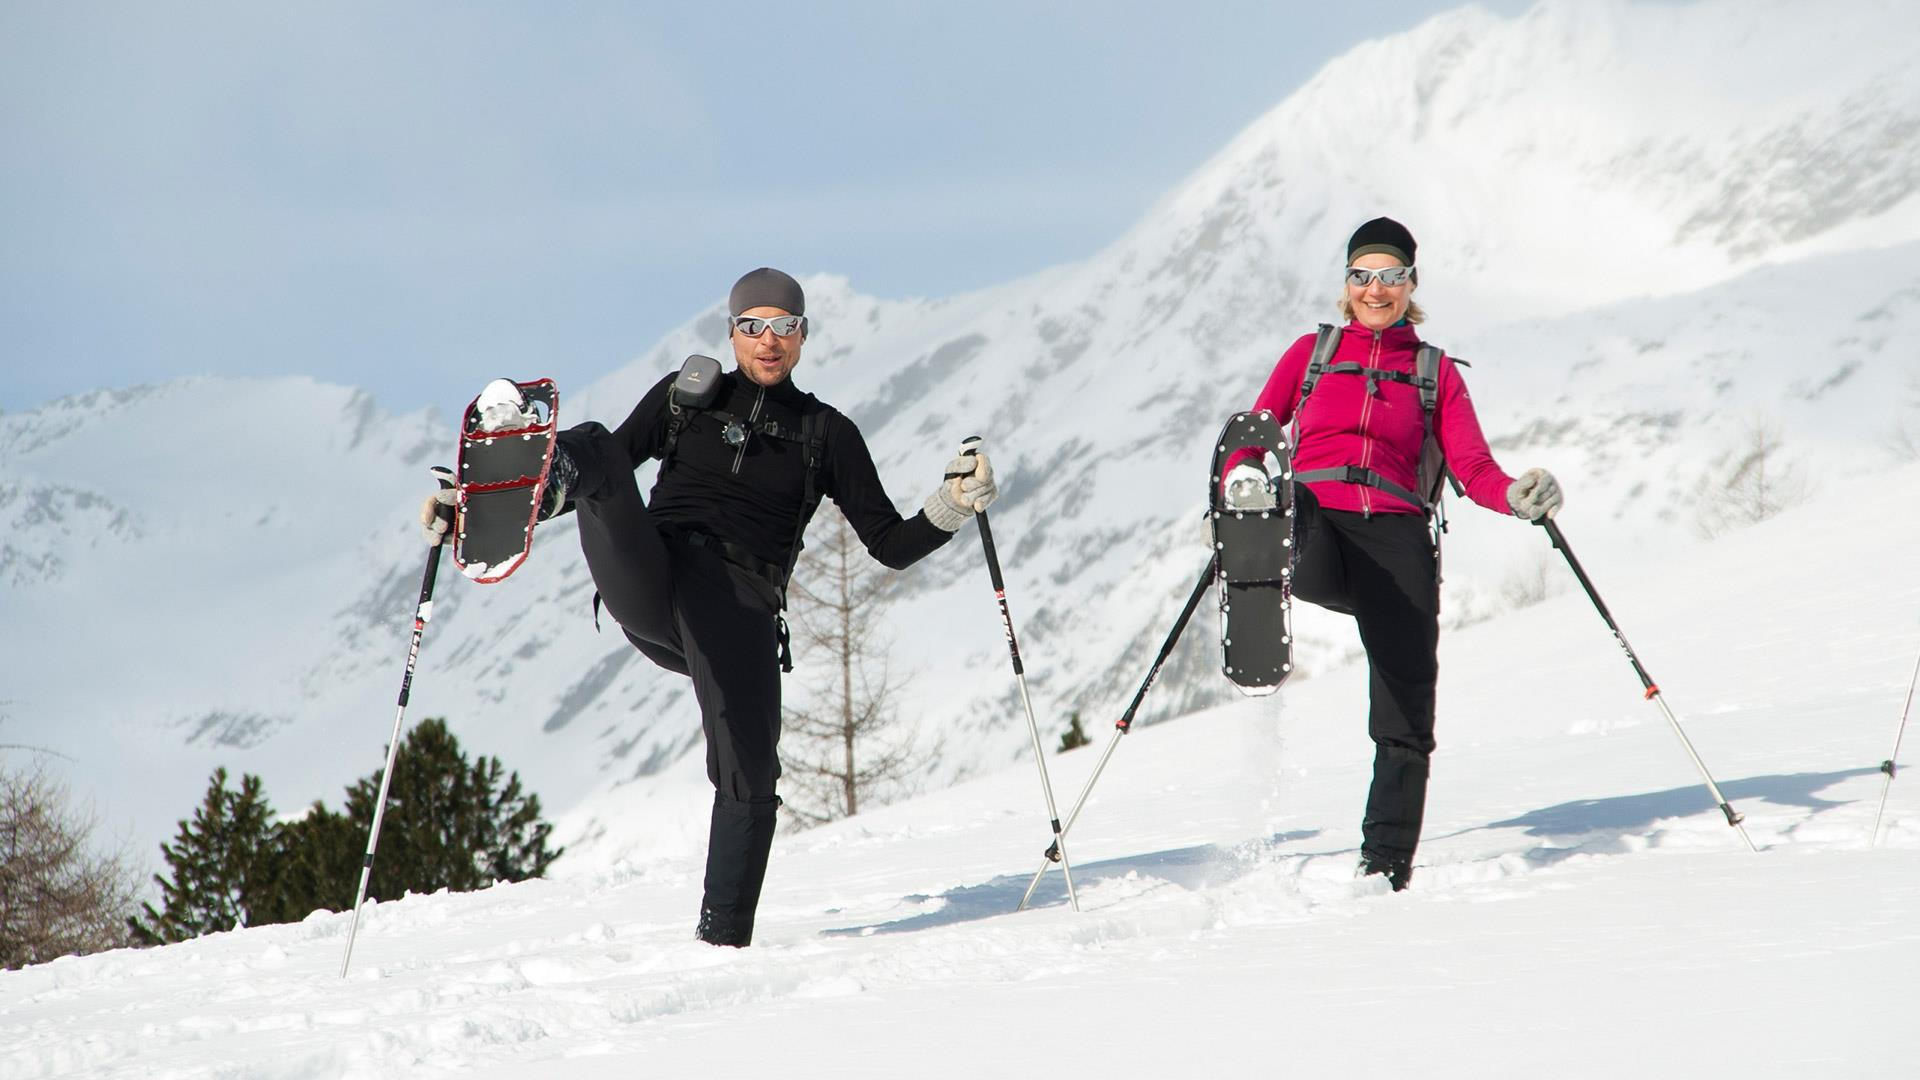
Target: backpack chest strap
[[772, 428], [1375, 376], [680, 415]]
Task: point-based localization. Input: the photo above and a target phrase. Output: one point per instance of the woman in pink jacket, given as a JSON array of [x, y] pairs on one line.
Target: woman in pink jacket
[[1363, 542]]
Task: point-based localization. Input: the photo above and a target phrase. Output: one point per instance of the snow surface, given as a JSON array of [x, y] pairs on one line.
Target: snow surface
[[1579, 909]]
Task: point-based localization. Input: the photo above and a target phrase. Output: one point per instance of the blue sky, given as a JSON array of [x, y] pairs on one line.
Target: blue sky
[[414, 197]]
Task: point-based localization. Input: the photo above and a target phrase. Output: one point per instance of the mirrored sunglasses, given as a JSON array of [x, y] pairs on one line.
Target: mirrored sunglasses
[[783, 325], [1360, 277]]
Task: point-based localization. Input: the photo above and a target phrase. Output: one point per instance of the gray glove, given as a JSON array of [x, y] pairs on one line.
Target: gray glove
[[1536, 494], [1249, 488], [967, 490], [434, 525]]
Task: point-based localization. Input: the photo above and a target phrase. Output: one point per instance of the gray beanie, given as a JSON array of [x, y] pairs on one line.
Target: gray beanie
[[767, 287]]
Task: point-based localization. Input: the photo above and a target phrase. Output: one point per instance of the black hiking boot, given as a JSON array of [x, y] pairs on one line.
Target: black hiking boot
[[1397, 871], [724, 928], [737, 845]]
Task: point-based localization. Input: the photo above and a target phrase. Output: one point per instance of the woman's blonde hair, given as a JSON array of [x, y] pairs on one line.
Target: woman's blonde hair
[[1414, 314]]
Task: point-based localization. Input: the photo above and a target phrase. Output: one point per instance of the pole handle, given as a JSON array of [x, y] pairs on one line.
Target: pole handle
[[446, 513], [969, 446], [445, 477]]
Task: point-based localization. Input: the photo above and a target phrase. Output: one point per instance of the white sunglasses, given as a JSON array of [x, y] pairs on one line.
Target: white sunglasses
[[1360, 277], [783, 325]]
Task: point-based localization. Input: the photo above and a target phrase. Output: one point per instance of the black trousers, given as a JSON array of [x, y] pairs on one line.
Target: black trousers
[[1382, 571], [693, 612]]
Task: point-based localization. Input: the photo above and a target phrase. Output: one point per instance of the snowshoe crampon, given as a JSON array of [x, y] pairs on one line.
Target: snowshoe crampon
[[1255, 551], [506, 448]]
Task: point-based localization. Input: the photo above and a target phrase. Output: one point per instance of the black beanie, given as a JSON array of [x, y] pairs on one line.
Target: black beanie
[[1381, 236], [767, 287]]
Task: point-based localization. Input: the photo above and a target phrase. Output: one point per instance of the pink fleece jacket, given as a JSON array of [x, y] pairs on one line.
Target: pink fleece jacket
[[1347, 423]]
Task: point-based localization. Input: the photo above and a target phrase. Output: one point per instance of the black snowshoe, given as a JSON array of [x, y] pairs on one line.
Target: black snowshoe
[[506, 450], [1253, 540]]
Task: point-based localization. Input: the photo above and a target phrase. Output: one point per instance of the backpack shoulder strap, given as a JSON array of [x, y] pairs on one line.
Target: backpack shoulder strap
[[1426, 366], [1326, 341], [677, 416], [813, 443], [1426, 369]]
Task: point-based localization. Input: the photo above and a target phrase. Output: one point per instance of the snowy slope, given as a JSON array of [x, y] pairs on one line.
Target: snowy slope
[[1640, 244], [1578, 909]]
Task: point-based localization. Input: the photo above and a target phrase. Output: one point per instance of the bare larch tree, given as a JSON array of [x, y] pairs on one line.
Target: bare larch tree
[[846, 748], [1760, 480], [58, 896]]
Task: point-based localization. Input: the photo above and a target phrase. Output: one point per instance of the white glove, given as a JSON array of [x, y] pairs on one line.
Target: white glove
[[434, 524], [967, 489], [1248, 488], [1536, 494]]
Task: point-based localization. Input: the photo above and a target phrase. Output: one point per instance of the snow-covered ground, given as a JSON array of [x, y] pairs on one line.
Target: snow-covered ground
[[1579, 908]]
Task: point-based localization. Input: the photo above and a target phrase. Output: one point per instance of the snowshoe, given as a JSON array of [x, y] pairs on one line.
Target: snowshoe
[[1253, 540], [506, 450]]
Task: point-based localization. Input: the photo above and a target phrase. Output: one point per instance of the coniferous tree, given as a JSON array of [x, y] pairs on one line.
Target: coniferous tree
[[450, 823], [218, 861], [1075, 736], [314, 865]]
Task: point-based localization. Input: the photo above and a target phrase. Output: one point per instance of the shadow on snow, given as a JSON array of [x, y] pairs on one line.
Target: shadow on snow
[[1635, 813], [1189, 867], [1210, 864]]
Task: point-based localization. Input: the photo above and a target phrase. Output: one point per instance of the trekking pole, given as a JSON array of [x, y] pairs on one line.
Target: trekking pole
[[421, 613], [1653, 689], [1126, 722], [1888, 765], [969, 447]]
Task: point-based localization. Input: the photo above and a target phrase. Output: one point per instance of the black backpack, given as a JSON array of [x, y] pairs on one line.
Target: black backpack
[[694, 391]]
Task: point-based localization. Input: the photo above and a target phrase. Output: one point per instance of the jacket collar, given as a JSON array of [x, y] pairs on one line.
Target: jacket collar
[[784, 392], [1400, 335]]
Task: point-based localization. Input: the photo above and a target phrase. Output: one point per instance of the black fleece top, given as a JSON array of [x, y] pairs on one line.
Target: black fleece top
[[751, 495]]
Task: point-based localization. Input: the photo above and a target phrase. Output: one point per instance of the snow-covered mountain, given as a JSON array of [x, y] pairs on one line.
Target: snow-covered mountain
[[1651, 228]]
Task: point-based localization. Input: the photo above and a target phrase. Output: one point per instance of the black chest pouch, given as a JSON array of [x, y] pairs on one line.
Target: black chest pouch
[[698, 382]]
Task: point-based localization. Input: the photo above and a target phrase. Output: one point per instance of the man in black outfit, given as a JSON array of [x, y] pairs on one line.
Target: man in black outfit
[[695, 573]]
